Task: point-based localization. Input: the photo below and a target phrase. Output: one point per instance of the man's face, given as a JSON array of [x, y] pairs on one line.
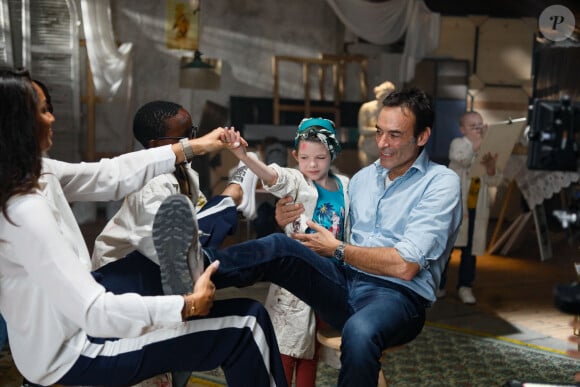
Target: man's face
[[398, 148], [473, 126], [177, 127]]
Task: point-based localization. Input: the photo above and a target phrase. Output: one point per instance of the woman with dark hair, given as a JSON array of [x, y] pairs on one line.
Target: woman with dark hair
[[3, 331], [65, 327]]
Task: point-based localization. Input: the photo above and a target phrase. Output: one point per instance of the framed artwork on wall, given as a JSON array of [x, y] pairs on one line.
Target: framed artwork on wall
[[182, 24]]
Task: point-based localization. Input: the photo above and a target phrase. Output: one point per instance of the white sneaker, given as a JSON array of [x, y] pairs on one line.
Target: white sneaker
[[466, 295], [441, 293], [248, 181]]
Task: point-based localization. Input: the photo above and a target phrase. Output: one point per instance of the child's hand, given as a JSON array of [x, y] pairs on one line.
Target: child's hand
[[234, 141], [476, 140], [489, 161]]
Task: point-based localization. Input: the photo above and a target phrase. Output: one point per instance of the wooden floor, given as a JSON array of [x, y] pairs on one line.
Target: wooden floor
[[514, 299], [514, 292]]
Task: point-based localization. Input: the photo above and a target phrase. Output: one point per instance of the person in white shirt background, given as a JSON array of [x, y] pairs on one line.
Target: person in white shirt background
[[472, 237]]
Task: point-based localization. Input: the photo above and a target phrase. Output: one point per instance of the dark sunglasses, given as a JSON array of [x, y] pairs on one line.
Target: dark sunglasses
[[192, 134]]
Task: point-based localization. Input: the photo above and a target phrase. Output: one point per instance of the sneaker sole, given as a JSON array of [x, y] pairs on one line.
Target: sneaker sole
[[174, 229]]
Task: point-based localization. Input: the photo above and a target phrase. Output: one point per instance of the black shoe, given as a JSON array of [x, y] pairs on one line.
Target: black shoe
[[175, 231]]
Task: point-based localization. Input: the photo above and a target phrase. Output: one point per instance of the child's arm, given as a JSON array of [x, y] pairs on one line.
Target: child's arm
[[237, 145]]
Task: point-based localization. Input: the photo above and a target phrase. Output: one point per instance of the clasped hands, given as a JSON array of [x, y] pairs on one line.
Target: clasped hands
[[234, 141], [220, 138]]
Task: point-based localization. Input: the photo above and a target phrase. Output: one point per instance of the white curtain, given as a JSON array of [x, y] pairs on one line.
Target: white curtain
[[5, 35], [386, 22], [109, 65]]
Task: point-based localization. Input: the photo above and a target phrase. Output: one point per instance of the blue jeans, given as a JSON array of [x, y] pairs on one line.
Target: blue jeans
[[373, 314]]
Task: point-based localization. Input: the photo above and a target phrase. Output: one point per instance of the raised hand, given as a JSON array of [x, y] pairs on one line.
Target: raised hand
[[211, 141], [234, 142], [489, 161]]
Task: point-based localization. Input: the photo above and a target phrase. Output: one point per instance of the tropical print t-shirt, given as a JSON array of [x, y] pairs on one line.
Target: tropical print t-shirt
[[330, 210]]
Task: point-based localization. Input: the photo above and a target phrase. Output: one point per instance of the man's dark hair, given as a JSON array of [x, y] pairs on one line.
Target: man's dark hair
[[150, 120], [418, 102]]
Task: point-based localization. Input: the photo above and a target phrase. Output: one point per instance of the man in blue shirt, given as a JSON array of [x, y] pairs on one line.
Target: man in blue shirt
[[404, 216]]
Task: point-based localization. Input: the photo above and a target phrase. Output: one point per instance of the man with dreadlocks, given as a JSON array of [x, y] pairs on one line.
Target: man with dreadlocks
[[325, 200]]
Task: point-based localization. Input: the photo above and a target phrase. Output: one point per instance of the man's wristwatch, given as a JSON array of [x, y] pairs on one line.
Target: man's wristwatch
[[339, 252]]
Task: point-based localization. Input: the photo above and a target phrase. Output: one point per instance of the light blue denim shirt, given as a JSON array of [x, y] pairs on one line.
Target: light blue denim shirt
[[419, 214]]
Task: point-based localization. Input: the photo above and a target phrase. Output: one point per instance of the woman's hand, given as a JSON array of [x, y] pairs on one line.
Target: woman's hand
[[203, 293], [209, 142]]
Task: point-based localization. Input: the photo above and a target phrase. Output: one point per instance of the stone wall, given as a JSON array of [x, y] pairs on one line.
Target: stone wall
[[243, 34], [499, 52]]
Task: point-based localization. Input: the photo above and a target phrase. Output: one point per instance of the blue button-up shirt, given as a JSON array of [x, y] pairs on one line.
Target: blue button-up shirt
[[418, 214]]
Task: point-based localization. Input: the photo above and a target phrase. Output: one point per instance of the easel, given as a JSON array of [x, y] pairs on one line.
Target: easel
[[514, 232]]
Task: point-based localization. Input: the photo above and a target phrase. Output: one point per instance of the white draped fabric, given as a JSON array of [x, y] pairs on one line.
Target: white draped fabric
[[377, 22], [386, 22], [109, 65]]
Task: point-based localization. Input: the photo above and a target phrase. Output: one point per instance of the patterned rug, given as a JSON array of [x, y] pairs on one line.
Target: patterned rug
[[443, 356], [440, 356]]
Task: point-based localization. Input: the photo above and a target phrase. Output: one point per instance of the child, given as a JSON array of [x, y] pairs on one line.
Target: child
[[476, 201], [325, 201]]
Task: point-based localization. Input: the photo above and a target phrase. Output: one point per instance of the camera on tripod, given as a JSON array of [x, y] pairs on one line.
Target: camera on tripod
[[554, 145], [554, 135]]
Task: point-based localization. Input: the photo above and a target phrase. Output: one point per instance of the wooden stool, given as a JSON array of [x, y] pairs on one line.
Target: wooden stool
[[331, 338]]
